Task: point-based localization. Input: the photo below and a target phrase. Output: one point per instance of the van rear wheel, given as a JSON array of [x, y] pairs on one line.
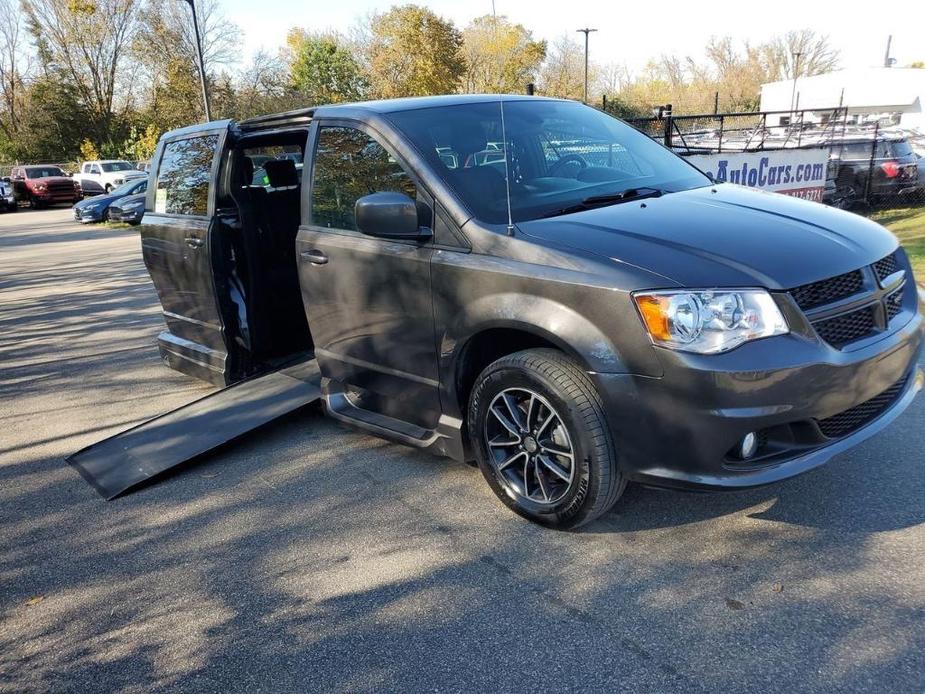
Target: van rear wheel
[[537, 425]]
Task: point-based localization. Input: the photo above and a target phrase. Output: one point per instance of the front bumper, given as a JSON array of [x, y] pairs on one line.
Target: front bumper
[[680, 429], [88, 215], [128, 216]]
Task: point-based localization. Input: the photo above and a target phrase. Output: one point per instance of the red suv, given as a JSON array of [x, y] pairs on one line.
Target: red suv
[[44, 185]]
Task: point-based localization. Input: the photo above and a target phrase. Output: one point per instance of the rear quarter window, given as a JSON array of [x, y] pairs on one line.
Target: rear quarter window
[[185, 176]]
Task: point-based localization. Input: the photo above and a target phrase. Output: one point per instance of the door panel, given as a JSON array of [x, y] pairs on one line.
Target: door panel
[[368, 300], [177, 243]]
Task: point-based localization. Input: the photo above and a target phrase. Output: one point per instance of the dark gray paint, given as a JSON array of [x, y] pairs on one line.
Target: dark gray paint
[[396, 317]]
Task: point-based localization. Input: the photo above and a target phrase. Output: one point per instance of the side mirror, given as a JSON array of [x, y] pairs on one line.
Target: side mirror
[[389, 216]]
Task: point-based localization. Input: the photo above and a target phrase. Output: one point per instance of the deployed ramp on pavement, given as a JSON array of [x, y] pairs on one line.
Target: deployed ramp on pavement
[[115, 465]]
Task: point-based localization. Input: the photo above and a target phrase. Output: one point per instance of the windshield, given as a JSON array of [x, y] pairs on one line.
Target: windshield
[[560, 153], [117, 166], [901, 148], [43, 171]]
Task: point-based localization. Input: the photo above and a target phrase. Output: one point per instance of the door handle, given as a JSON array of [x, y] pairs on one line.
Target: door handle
[[193, 242], [315, 257]]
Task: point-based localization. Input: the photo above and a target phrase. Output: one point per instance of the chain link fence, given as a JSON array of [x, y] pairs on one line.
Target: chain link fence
[[870, 166]]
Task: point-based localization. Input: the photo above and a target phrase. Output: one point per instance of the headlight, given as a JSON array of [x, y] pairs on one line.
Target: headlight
[[710, 320]]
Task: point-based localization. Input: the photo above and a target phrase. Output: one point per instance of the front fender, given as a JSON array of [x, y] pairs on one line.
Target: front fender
[[544, 317]]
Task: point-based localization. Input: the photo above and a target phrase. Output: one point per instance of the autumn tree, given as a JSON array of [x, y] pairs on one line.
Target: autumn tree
[[165, 48], [413, 52], [323, 68], [500, 56], [87, 42], [563, 72], [13, 72]]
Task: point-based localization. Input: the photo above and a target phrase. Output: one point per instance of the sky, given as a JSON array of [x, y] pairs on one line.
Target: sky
[[627, 34]]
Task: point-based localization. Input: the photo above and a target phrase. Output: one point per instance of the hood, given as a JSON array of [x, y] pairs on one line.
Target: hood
[[724, 235], [127, 199], [96, 200]]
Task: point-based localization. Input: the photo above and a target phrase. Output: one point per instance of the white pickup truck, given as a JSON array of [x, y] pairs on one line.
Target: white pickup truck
[[102, 176]]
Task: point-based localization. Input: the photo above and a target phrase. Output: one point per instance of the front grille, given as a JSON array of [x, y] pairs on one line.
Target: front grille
[[827, 291], [852, 419], [894, 303], [821, 299], [848, 327], [61, 188], [886, 267]]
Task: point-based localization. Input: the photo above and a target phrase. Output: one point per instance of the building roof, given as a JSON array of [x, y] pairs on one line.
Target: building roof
[[877, 87]]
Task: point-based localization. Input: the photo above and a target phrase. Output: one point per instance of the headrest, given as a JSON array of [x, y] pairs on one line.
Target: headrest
[[281, 173], [468, 139]]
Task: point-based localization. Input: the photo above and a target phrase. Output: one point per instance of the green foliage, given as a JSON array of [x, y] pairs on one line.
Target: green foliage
[[323, 70], [413, 52], [500, 56]]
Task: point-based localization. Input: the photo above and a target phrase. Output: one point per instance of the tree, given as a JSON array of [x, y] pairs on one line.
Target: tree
[[12, 71], [816, 54], [165, 48], [413, 52], [563, 72], [500, 56], [323, 69], [87, 44]]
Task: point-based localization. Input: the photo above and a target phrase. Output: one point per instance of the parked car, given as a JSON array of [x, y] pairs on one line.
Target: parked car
[[98, 208], [103, 176], [43, 185], [129, 209], [7, 198], [889, 164], [586, 323]]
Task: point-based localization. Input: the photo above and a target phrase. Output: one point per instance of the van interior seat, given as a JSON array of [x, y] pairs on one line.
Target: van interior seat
[[278, 212]]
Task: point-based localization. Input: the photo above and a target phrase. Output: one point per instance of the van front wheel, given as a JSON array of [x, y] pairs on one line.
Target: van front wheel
[[537, 425]]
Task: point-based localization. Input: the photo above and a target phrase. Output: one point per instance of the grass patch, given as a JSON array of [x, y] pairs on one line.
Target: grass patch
[[908, 223], [116, 225]]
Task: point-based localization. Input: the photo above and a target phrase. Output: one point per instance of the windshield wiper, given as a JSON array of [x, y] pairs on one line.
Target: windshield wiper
[[608, 199]]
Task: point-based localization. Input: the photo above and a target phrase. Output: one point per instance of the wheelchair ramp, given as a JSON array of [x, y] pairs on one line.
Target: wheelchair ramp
[[117, 464]]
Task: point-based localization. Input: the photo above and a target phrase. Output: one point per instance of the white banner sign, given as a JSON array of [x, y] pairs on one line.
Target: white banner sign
[[799, 172]]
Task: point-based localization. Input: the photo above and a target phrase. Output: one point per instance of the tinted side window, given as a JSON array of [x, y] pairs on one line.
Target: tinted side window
[[348, 165], [185, 175]]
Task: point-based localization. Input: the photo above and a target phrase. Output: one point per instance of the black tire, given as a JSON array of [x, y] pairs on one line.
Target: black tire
[[565, 390]]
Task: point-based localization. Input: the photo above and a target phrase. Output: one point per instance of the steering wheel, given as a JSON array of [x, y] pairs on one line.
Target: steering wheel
[[567, 159]]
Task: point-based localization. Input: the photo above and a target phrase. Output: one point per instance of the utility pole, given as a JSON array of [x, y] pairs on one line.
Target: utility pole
[[887, 60], [202, 66], [796, 73], [586, 31]]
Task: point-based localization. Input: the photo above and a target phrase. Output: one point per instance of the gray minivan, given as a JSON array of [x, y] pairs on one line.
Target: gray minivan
[[535, 285]]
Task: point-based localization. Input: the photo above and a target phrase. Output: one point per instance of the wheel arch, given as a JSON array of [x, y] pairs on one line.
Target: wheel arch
[[499, 325]]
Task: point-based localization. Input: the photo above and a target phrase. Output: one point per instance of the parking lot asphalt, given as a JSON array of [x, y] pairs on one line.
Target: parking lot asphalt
[[308, 557]]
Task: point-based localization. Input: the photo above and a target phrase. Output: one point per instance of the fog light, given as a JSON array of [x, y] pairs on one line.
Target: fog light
[[749, 445]]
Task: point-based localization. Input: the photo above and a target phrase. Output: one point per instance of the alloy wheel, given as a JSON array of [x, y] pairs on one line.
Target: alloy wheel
[[529, 446]]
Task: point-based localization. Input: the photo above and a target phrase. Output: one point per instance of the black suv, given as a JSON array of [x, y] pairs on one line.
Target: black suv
[[549, 292], [889, 163]]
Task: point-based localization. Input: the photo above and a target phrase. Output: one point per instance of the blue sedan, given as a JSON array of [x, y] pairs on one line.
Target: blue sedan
[[96, 209]]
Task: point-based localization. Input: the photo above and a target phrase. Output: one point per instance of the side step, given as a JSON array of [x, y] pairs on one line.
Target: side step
[[115, 465], [446, 439]]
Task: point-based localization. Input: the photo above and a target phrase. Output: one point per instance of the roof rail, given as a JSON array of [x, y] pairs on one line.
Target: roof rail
[[296, 116]]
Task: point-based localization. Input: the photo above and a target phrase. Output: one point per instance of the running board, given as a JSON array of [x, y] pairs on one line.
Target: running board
[[117, 464], [445, 440]]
